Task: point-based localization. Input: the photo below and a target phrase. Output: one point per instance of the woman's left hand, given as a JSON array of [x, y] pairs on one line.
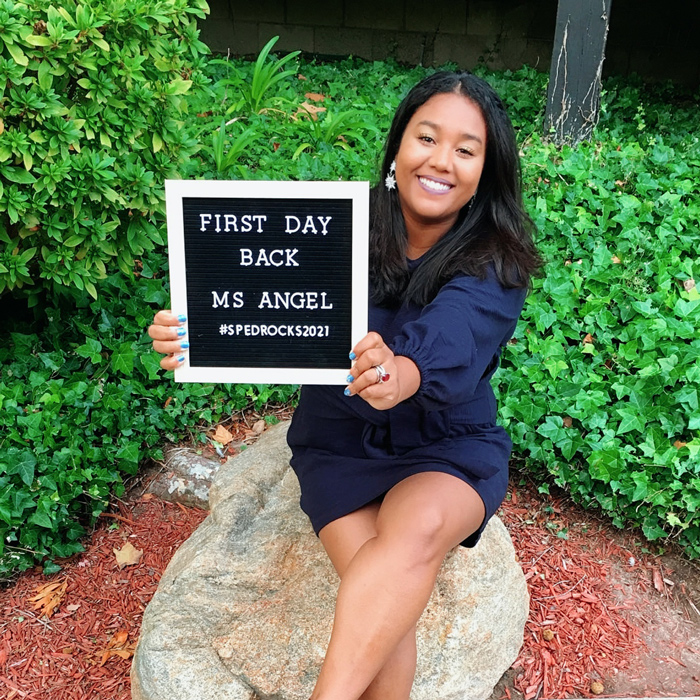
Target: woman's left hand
[[403, 377]]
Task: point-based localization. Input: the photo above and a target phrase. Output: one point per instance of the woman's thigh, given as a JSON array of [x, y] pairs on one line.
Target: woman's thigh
[[343, 537], [431, 510]]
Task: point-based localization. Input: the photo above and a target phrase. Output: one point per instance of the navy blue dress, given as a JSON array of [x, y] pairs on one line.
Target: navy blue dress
[[347, 454]]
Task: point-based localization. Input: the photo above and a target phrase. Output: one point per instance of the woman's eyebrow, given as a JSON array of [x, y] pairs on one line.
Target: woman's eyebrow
[[467, 136]]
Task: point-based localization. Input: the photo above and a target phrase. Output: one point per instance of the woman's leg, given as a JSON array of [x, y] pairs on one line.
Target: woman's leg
[[387, 584], [342, 539]]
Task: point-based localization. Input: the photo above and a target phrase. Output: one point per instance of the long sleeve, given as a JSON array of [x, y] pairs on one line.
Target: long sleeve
[[458, 337]]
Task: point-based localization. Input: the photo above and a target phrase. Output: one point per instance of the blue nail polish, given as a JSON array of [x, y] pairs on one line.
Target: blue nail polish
[[182, 318], [184, 345], [181, 358], [347, 391], [181, 332], [349, 378], [353, 356]]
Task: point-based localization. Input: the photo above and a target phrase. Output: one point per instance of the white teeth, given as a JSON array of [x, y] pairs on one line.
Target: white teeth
[[431, 184]]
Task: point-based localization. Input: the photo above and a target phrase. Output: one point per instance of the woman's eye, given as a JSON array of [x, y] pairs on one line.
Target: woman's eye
[[426, 138], [464, 152]]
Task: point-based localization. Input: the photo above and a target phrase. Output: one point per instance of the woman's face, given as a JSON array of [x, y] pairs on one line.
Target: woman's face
[[440, 161]]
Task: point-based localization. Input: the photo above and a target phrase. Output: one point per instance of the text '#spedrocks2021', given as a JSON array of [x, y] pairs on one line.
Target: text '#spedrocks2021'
[[274, 331]]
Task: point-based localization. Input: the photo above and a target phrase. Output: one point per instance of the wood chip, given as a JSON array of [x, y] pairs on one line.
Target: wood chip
[[60, 660]]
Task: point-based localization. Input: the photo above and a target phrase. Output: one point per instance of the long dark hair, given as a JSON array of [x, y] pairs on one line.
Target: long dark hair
[[493, 230]]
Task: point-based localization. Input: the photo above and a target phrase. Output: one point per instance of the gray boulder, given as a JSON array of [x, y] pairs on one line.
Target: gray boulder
[[244, 609]]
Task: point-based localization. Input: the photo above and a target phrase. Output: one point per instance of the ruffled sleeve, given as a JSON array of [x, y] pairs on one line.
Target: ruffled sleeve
[[458, 337]]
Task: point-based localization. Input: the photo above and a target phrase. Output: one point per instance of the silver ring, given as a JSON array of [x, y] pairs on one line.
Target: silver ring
[[382, 374]]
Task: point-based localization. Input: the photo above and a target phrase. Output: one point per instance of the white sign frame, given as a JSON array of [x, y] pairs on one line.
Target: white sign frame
[[358, 192]]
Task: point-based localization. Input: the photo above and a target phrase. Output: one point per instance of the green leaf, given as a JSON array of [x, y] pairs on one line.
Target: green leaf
[[178, 87], [39, 40], [17, 54], [44, 75], [41, 519], [26, 462], [123, 359], [91, 349], [129, 453], [630, 421], [18, 175]]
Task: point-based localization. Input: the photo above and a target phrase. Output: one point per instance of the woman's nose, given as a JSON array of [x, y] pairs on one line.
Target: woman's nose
[[440, 158]]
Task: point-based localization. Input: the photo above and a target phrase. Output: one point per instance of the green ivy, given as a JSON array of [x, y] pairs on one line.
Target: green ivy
[[83, 402]]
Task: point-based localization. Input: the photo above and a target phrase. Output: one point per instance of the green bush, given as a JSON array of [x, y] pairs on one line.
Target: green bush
[[598, 388], [601, 384], [83, 402], [92, 121]]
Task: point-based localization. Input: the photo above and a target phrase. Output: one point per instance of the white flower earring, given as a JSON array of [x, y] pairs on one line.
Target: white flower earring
[[390, 181]]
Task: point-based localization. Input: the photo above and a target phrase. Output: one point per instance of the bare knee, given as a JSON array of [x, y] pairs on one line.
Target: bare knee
[[420, 539]]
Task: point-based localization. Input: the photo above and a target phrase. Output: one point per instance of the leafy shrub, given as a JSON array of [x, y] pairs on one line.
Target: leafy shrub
[[253, 93], [82, 403], [91, 123], [598, 388]]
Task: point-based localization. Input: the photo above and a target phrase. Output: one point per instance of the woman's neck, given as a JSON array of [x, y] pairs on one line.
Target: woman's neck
[[420, 239]]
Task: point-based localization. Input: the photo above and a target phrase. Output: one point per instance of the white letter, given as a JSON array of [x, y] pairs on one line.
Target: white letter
[[309, 225], [265, 301], [246, 226], [262, 255], [220, 300], [324, 223], [323, 302], [290, 257], [311, 302], [260, 218], [300, 295], [203, 222], [246, 257], [281, 262], [218, 223], [230, 220], [237, 300], [282, 298], [289, 230]]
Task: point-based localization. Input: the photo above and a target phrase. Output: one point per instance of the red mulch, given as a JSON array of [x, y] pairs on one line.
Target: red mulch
[[577, 631], [76, 654]]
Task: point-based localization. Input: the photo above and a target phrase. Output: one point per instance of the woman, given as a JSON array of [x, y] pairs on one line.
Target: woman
[[407, 461]]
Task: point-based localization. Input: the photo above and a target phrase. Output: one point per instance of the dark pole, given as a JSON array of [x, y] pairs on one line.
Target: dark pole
[[573, 96]]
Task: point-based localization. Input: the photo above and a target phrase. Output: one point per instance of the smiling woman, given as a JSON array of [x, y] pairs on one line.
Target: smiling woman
[[407, 461], [438, 167]]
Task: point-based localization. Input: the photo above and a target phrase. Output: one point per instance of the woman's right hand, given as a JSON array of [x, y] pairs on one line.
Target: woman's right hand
[[169, 337]]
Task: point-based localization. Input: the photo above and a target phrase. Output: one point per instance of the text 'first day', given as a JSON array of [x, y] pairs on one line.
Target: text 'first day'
[[247, 223]]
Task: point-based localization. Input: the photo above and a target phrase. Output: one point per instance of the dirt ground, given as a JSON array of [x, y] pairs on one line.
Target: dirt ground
[[662, 601]]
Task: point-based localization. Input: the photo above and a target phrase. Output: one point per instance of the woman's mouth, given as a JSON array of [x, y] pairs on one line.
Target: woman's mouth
[[434, 185]]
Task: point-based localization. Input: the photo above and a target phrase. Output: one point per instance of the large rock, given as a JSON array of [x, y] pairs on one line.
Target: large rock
[[245, 608]]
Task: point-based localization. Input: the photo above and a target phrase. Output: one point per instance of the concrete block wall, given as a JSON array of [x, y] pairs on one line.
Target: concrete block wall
[[503, 34]]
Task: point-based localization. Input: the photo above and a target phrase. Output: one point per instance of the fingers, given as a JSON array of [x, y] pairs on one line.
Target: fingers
[[172, 362], [166, 326], [369, 353], [169, 335]]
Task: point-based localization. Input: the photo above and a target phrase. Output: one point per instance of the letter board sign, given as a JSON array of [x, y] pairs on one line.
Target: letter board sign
[[272, 277]]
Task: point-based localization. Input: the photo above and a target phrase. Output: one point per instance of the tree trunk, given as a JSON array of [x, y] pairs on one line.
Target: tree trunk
[[573, 96]]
